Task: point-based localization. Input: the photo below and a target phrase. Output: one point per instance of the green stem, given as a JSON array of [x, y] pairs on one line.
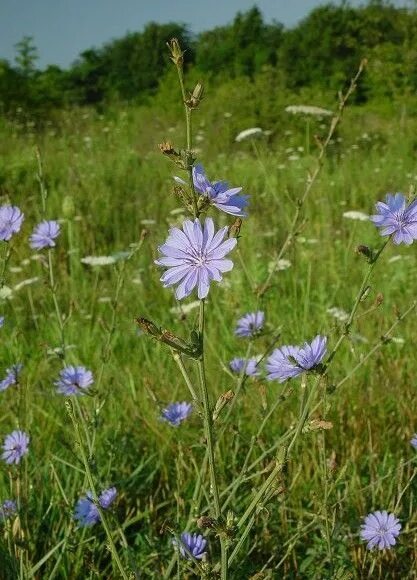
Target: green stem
[[93, 489], [208, 429], [55, 301]]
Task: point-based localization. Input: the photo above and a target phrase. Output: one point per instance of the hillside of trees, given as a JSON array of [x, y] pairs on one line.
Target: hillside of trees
[[322, 51]]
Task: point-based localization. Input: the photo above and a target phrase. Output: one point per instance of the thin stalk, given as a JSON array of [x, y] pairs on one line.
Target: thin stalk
[[178, 359], [208, 430], [93, 489], [312, 178], [55, 301]]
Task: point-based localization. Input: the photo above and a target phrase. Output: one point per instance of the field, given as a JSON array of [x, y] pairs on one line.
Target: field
[[104, 178]]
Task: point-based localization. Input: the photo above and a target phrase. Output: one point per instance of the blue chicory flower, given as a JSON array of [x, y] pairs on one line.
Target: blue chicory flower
[[15, 446], [74, 380], [413, 441], [194, 544], [44, 234], [12, 376], [176, 413], [248, 367], [250, 324], [194, 257], [86, 511], [396, 218], [219, 194], [291, 361], [11, 219], [380, 530], [7, 509]]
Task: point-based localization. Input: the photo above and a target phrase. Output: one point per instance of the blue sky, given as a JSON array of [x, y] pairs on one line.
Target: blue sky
[[64, 28]]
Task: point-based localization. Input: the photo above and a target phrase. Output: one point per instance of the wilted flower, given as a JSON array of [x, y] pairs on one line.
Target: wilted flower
[[86, 511], [74, 380], [12, 376], [414, 441], [15, 446], [219, 194], [397, 219], [11, 219], [194, 544], [380, 530], [176, 413], [194, 256], [44, 234], [291, 361], [249, 367], [250, 324], [7, 509], [249, 134]]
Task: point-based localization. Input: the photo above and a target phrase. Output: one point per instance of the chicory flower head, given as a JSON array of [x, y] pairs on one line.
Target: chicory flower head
[[12, 376], [7, 509], [219, 194], [176, 413], [413, 441], [250, 324], [396, 218], [249, 367], [44, 235], [74, 380], [194, 256], [86, 511], [11, 219], [15, 446], [194, 544], [291, 361], [380, 530]]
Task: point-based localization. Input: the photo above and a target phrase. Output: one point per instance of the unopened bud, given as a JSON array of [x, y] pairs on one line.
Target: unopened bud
[[177, 55], [365, 251], [148, 327], [195, 97], [379, 299], [234, 229], [318, 425], [204, 522], [221, 403]]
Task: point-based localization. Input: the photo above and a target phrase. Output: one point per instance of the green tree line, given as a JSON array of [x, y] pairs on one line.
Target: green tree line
[[323, 50]]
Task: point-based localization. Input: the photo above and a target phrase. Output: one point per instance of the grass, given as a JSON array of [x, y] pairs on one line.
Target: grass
[[109, 169]]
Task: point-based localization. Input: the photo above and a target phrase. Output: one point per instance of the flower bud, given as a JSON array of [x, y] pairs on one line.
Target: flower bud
[[177, 55]]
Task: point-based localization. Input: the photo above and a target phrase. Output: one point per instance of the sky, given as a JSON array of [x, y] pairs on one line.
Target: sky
[[63, 28]]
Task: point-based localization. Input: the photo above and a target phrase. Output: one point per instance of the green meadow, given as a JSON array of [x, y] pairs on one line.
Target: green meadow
[[103, 176]]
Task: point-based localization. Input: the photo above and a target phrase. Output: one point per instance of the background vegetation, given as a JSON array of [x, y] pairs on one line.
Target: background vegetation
[[96, 126]]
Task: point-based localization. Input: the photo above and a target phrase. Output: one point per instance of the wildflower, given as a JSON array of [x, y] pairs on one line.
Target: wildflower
[[74, 380], [176, 413], [12, 376], [99, 260], [191, 544], [397, 219], [15, 446], [308, 110], [250, 324], [249, 367], [414, 441], [1, 321], [380, 530], [44, 234], [11, 219], [291, 361], [219, 194], [7, 509], [356, 215], [194, 256], [248, 134], [86, 511], [338, 313]]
